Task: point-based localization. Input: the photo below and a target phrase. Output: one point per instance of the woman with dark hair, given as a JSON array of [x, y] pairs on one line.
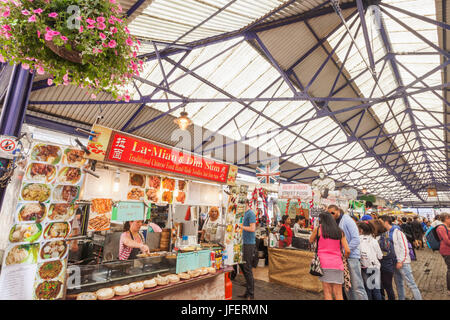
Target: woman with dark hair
[[330, 241], [285, 232], [131, 241]]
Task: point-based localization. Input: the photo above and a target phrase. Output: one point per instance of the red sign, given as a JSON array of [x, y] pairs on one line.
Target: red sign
[[130, 150]]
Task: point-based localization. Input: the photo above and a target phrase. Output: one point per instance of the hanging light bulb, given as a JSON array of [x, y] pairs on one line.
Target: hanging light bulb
[[116, 184], [183, 121]]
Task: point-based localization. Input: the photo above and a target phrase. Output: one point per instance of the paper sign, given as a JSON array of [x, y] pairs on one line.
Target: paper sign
[[295, 191], [128, 211], [17, 281]]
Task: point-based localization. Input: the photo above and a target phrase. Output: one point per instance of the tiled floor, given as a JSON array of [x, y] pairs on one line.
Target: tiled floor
[[429, 272]]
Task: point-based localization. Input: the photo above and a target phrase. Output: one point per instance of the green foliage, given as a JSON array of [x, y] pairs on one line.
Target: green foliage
[[108, 52]]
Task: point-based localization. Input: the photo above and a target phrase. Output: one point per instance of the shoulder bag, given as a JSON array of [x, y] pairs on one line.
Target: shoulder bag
[[315, 268]]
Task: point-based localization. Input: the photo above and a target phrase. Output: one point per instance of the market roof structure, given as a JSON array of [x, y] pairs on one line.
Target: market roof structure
[[357, 88]]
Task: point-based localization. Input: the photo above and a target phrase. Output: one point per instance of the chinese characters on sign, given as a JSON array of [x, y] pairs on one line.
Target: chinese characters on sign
[[130, 150]]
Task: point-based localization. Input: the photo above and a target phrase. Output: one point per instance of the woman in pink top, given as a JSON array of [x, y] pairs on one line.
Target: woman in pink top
[[331, 239]]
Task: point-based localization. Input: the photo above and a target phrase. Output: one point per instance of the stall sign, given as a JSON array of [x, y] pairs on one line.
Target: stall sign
[[128, 211], [295, 191], [118, 147], [315, 212]]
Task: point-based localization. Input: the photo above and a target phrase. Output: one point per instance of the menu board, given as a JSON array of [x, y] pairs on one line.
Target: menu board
[[37, 240], [156, 189], [233, 221]]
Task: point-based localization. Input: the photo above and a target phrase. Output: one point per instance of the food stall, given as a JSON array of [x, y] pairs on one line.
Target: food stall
[[289, 265], [81, 197]]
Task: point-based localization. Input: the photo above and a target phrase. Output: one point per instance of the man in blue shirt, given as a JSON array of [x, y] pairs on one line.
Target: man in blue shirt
[[346, 223], [249, 246]]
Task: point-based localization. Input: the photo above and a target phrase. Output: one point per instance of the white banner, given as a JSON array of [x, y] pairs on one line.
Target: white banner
[[295, 191]]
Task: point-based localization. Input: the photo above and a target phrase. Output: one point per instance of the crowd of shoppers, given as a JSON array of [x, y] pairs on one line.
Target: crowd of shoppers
[[375, 251]]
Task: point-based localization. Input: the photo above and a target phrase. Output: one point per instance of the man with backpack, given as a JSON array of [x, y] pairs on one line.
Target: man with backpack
[[403, 271]]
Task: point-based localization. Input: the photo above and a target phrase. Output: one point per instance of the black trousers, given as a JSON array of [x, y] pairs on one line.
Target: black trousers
[[447, 261], [248, 251], [386, 284]]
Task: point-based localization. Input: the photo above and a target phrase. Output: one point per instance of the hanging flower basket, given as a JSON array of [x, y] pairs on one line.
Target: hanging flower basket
[[79, 42], [63, 52]]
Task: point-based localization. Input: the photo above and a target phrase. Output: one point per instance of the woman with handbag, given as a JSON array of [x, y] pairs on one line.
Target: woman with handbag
[[329, 240]]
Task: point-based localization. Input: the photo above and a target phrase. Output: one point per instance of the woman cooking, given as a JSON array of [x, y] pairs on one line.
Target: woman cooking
[[131, 241], [212, 230]]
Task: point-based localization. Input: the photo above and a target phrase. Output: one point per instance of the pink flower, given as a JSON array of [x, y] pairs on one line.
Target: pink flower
[[53, 15], [112, 1], [32, 18], [49, 81], [81, 29], [129, 41], [6, 27], [126, 30], [40, 70], [91, 26], [113, 30], [90, 21], [25, 66], [6, 14], [66, 77], [93, 96], [102, 35], [112, 44], [2, 59], [111, 21], [127, 98], [38, 11], [39, 34], [64, 38], [25, 12], [101, 26], [101, 19]]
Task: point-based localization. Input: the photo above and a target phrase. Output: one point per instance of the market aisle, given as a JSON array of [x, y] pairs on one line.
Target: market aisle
[[429, 271]]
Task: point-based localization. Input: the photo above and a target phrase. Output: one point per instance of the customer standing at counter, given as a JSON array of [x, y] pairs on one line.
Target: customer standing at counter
[[249, 244], [131, 241], [346, 223]]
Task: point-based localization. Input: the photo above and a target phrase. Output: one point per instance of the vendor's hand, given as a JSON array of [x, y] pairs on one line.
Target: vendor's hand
[[399, 265], [145, 249]]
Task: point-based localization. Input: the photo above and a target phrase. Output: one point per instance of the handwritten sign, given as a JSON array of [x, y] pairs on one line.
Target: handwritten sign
[[295, 191], [128, 211]]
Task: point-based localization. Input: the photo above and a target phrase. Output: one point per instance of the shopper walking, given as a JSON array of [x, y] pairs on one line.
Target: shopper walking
[[249, 247], [444, 249], [437, 221], [346, 223], [417, 229], [388, 261], [331, 240], [403, 271], [370, 260]]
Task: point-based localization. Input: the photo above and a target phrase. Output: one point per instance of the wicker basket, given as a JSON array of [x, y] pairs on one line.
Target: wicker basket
[[70, 55]]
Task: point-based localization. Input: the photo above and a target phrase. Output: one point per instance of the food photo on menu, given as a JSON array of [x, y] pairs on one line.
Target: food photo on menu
[[100, 215]]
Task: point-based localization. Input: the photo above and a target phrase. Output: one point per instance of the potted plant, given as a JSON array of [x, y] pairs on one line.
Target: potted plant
[[80, 42]]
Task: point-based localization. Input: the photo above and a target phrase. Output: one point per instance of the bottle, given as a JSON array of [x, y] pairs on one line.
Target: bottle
[[213, 259]]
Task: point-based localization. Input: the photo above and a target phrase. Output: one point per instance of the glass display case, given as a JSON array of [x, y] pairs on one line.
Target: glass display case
[[113, 273]]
